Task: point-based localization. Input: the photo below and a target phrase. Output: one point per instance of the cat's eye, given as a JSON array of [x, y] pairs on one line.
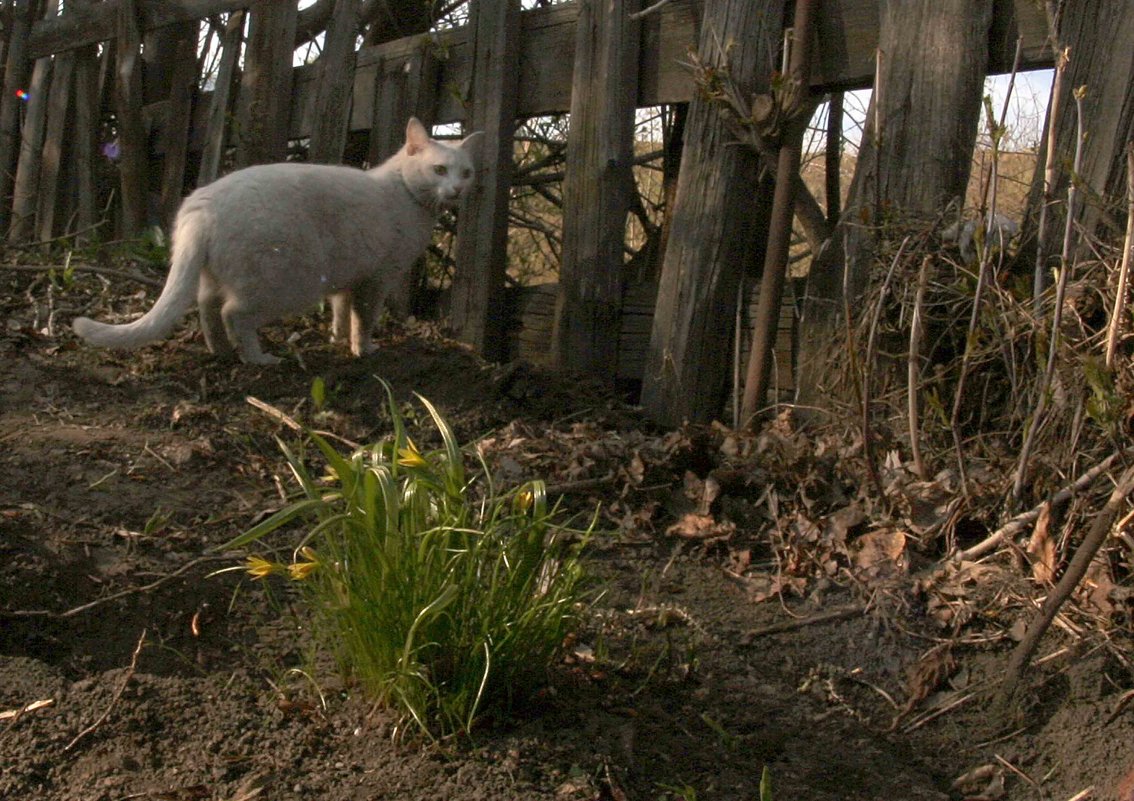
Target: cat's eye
[[440, 169]]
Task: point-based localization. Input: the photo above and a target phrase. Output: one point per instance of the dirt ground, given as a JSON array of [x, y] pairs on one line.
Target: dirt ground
[[121, 472]]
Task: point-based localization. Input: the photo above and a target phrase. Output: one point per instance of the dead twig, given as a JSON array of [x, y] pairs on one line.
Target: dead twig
[[913, 369], [283, 417], [867, 362], [582, 485], [1005, 702], [1124, 270], [1021, 521], [86, 268], [1066, 263], [113, 596], [1123, 702], [14, 715], [830, 616], [637, 15], [121, 689]]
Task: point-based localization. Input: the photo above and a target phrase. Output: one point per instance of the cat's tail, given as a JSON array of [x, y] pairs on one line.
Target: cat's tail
[[190, 251]]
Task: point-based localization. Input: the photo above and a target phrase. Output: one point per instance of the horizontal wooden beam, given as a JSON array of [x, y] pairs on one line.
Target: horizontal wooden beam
[[845, 57], [847, 33], [87, 24]]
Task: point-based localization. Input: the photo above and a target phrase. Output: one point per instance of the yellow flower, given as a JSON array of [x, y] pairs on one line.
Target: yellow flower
[[259, 567], [301, 570], [410, 456], [524, 501]]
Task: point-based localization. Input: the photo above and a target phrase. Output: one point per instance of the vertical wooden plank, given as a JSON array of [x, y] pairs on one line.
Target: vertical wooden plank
[[718, 217], [336, 85], [182, 89], [597, 188], [83, 147], [51, 160], [408, 90], [477, 313], [133, 164], [221, 108], [265, 87], [31, 144], [16, 69], [386, 132]]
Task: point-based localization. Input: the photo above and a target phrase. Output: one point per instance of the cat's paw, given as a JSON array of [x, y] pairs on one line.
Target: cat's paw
[[265, 359], [361, 349]]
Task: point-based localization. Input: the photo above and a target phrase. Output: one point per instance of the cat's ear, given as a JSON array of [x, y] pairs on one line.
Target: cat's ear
[[472, 145], [416, 136]]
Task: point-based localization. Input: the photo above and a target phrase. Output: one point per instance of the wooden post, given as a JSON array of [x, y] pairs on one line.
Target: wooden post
[[767, 322], [31, 148], [716, 221], [336, 85], [597, 188], [133, 147], [265, 87], [83, 153], [182, 89], [16, 69], [477, 313], [51, 161], [221, 108]]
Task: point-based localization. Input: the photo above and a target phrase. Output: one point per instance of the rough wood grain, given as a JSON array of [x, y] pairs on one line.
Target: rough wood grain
[[477, 296], [402, 89], [16, 69], [31, 146], [220, 105], [94, 23], [335, 69], [914, 158], [84, 155], [265, 89], [48, 194], [719, 216], [597, 187], [183, 88], [132, 140]]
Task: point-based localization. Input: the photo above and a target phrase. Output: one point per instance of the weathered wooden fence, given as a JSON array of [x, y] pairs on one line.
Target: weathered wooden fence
[[105, 94]]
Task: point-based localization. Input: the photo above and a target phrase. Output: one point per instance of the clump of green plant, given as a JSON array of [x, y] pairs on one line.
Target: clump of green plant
[[438, 595]]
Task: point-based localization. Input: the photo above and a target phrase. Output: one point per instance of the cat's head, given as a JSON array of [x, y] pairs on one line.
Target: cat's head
[[438, 174]]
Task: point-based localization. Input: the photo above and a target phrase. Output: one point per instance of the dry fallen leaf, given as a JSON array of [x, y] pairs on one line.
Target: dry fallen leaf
[[1041, 548], [701, 527], [879, 553], [1096, 587], [934, 667]]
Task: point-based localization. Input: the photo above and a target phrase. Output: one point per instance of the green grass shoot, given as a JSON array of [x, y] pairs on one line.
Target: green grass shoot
[[437, 595]]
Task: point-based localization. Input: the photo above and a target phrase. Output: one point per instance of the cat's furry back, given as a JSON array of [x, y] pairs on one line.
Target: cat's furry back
[[273, 240]]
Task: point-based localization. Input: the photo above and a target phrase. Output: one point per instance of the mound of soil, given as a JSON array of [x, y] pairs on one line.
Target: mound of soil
[[130, 668]]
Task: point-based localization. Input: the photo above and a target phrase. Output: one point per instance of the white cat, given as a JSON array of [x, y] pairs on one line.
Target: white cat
[[273, 240], [999, 231]]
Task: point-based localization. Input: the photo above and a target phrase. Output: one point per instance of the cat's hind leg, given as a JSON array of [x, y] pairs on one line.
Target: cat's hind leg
[[340, 317], [241, 325], [210, 299], [365, 301]]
